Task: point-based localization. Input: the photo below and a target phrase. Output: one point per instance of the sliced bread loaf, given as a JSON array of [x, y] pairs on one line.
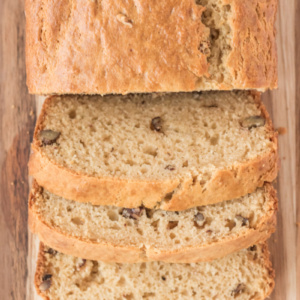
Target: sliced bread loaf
[[168, 151], [113, 234], [149, 46], [244, 275]]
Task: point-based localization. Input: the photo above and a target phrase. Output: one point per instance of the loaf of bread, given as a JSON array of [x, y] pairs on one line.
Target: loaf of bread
[[113, 234], [150, 46], [167, 151], [244, 275]]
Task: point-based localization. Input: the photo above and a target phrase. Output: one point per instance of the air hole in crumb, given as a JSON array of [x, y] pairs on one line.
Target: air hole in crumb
[[251, 218], [113, 215], [214, 140], [150, 151], [140, 231], [129, 162], [72, 114], [202, 182], [221, 78], [177, 242], [121, 281], [201, 2], [77, 221], [107, 138], [172, 235], [206, 135], [149, 213], [95, 268], [128, 296], [144, 170], [142, 266], [184, 293], [227, 7], [230, 224], [148, 295], [172, 224], [155, 224], [214, 33], [92, 128], [213, 126], [115, 227], [187, 239], [208, 220], [195, 180], [168, 196], [69, 209], [128, 223], [185, 164]]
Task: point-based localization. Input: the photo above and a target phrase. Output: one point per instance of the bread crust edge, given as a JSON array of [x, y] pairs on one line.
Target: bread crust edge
[[264, 261], [236, 181], [110, 252]]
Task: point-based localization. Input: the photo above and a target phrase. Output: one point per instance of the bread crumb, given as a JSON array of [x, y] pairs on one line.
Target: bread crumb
[[281, 130]]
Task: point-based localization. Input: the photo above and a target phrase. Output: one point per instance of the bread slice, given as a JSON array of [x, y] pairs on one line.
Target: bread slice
[[113, 234], [244, 275], [149, 46], [168, 151]]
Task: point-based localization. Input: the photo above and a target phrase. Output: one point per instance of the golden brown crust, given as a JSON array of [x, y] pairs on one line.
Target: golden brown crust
[[254, 42], [268, 264], [152, 46], [224, 184], [40, 271], [110, 252]]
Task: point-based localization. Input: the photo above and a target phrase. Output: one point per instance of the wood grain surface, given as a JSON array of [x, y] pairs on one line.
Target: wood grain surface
[[18, 110], [17, 118]]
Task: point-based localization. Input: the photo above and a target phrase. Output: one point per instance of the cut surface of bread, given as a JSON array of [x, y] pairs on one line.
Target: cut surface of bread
[[149, 46], [169, 151], [114, 234], [244, 275]]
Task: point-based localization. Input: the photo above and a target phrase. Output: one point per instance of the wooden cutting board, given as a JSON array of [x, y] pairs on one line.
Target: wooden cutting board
[[18, 112]]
